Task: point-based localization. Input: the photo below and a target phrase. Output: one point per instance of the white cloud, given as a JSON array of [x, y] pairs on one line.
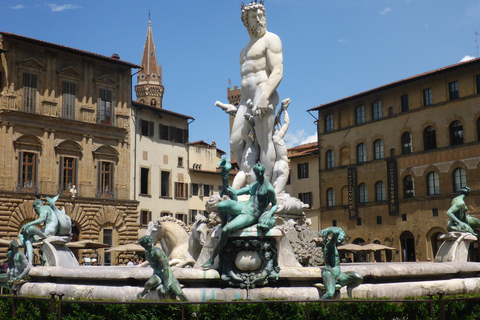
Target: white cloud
[[466, 58], [342, 40], [298, 137], [62, 7], [310, 139], [385, 11], [18, 6]]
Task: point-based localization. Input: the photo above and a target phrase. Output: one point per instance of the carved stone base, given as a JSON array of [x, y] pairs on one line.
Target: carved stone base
[[249, 258], [454, 247]]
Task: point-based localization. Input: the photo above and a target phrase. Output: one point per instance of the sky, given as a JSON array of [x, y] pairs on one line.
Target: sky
[[331, 49]]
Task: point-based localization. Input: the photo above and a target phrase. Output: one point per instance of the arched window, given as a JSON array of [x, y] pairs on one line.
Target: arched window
[[433, 186], [378, 149], [362, 193], [429, 138], [459, 179], [361, 153], [377, 112], [456, 133], [408, 187], [153, 103], [329, 122], [380, 191], [360, 114], [330, 197], [330, 159], [406, 143]]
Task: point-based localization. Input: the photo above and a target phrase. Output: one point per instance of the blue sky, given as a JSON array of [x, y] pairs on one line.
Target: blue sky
[[332, 49]]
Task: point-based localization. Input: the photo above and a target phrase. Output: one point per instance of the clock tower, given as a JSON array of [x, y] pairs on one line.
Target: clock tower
[[149, 88]]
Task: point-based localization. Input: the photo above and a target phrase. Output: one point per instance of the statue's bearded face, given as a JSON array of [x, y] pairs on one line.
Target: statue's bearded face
[[256, 22]]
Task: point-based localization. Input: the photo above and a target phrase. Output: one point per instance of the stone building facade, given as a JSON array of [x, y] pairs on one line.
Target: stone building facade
[[303, 180], [392, 158], [160, 175], [64, 124]]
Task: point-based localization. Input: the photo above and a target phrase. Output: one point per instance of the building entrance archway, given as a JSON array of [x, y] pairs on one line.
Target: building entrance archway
[[407, 241]]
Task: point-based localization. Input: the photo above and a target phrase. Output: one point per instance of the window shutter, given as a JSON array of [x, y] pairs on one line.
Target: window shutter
[[75, 176], [310, 195], [211, 190], [60, 175], [112, 113], [35, 172], [112, 181], [99, 178], [185, 136], [99, 106], [20, 170], [200, 190], [191, 190], [173, 134], [299, 171], [150, 128]]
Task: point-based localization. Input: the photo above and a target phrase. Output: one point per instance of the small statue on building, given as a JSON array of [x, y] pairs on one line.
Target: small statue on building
[[331, 274], [73, 192], [162, 279], [459, 219], [18, 266]]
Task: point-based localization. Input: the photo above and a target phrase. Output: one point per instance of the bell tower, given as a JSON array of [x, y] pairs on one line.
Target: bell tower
[[149, 88]]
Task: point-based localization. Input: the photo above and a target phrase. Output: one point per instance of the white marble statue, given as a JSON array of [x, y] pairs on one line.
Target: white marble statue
[[261, 71], [280, 168]]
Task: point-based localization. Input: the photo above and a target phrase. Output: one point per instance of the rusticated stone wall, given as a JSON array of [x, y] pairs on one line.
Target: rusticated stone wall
[[89, 216]]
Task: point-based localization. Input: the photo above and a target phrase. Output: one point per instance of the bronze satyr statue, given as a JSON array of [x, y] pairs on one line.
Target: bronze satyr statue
[[162, 279], [18, 266], [459, 219], [237, 215], [331, 274]]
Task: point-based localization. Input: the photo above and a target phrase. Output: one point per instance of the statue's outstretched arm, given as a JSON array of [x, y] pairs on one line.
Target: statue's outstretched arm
[[228, 108]]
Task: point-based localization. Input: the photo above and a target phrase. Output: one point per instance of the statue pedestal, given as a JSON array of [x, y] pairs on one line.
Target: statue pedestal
[[250, 258], [454, 247]]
